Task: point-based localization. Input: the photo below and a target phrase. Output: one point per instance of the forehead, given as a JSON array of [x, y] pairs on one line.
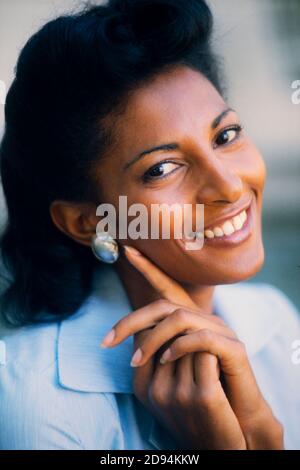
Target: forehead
[[170, 102]]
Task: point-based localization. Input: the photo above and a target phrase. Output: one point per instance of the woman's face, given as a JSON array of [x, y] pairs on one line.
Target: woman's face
[[213, 163]]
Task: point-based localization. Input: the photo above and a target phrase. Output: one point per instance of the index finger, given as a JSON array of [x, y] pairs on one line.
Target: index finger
[[167, 287], [144, 317]]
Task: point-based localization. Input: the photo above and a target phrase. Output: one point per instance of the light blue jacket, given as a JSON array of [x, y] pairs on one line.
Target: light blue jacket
[[60, 390]]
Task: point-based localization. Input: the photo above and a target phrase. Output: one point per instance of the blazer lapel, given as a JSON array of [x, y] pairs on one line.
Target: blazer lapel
[[84, 366]]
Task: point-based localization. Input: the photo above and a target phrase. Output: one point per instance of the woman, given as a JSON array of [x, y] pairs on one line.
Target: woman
[[95, 95]]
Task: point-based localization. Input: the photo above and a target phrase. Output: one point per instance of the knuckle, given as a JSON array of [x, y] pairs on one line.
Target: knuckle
[[207, 398], [177, 346], [181, 315], [162, 303], [219, 320], [182, 396], [204, 400], [157, 395], [206, 335]]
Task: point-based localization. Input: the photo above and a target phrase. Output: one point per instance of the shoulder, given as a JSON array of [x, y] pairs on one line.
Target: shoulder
[[278, 306], [36, 411], [286, 318], [280, 310], [259, 313], [258, 297], [30, 348]]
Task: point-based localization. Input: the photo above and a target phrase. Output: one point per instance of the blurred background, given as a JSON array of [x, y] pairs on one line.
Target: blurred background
[[259, 41]]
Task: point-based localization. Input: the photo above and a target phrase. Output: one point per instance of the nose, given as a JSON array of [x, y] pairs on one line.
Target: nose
[[219, 183]]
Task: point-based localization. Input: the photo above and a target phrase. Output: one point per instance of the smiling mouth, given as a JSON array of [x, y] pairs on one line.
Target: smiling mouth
[[230, 231], [228, 227]]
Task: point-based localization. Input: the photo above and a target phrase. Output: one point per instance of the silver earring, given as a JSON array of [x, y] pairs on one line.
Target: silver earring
[[105, 247]]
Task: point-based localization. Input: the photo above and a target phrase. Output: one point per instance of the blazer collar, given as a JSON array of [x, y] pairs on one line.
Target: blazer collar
[[82, 364]]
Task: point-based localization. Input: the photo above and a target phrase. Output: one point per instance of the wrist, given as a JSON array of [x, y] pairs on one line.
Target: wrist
[[265, 432]]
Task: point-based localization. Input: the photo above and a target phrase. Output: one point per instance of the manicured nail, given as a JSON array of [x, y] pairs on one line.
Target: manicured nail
[[136, 358], [131, 250], [166, 356], [108, 339]]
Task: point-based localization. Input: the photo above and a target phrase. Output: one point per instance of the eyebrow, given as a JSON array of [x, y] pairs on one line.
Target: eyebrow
[[173, 145]]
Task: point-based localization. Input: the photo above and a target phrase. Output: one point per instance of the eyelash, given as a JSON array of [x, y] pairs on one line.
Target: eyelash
[[146, 178], [235, 127]]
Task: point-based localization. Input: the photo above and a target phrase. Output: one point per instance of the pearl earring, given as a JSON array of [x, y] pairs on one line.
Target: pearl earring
[[105, 247]]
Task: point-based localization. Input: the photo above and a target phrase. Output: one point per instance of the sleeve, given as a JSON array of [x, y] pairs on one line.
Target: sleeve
[[35, 415]]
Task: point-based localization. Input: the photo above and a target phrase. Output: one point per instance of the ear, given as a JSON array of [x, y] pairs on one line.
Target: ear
[[76, 220]]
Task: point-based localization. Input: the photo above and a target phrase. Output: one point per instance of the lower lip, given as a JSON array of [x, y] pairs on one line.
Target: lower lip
[[236, 237]]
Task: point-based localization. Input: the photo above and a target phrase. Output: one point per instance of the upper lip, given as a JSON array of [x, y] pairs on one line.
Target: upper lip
[[228, 215]]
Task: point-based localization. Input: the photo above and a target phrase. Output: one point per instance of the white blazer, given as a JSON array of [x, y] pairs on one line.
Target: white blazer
[[60, 390]]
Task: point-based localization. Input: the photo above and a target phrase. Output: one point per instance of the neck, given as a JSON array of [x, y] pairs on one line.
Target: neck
[[140, 292], [202, 296]]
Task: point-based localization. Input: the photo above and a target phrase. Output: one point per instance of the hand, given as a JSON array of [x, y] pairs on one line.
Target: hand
[[206, 393]]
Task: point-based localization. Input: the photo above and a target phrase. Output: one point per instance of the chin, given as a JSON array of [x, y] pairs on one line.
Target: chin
[[244, 269], [229, 269]]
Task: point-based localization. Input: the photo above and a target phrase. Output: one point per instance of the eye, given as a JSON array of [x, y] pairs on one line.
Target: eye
[[228, 135], [159, 171]]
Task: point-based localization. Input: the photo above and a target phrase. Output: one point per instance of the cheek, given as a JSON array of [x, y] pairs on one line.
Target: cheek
[[163, 205], [252, 167]]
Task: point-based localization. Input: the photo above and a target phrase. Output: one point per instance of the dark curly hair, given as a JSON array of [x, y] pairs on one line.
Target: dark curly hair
[[70, 75]]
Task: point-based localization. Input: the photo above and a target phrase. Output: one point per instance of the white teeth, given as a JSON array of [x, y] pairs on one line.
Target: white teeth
[[243, 216], [237, 222], [229, 227], [218, 232], [209, 234]]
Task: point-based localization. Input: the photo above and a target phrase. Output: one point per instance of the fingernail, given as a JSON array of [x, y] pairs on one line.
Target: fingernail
[[132, 250], [108, 339], [136, 358], [166, 356]]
